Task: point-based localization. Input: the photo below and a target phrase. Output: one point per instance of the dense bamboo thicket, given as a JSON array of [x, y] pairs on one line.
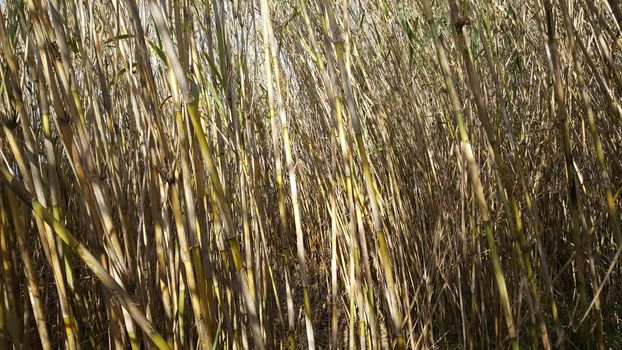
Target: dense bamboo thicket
[[292, 174]]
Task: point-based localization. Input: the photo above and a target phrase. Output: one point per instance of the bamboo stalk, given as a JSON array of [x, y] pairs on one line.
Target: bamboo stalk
[[79, 249]]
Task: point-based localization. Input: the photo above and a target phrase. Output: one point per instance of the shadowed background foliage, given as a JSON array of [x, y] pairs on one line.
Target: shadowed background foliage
[[361, 174]]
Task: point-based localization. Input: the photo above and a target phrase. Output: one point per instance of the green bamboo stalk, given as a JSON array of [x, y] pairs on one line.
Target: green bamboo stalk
[[460, 19], [564, 124], [473, 169], [33, 285], [225, 210]]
